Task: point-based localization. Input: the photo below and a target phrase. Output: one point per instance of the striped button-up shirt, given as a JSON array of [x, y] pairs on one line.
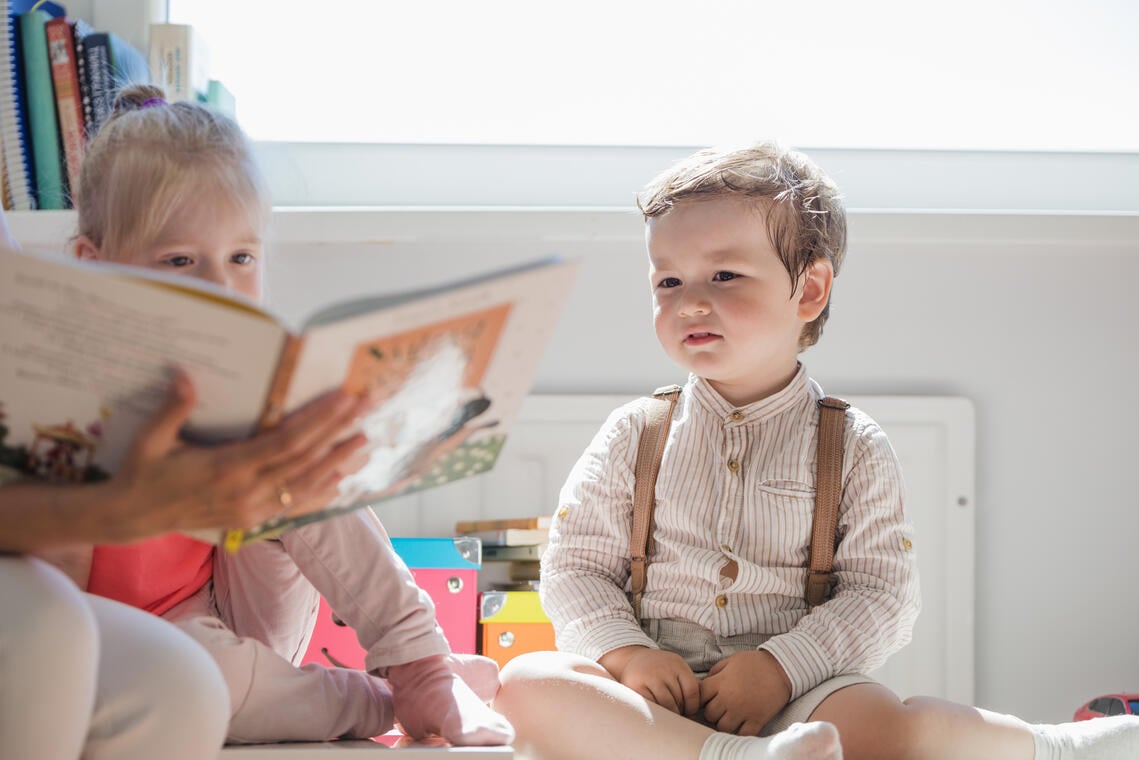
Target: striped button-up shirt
[[737, 484]]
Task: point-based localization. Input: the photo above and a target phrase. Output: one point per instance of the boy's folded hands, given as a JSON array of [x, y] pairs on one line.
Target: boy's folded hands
[[743, 692], [658, 676]]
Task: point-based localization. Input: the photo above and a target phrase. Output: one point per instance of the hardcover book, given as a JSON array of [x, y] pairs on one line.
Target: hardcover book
[[68, 100], [47, 154], [86, 351]]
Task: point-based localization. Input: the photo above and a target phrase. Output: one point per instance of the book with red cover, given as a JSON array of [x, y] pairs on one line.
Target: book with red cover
[[68, 100]]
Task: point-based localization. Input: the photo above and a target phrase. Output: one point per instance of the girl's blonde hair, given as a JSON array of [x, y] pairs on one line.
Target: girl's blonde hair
[[806, 218], [151, 159]]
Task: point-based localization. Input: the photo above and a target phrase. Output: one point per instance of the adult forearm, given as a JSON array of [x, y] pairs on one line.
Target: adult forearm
[[38, 516]]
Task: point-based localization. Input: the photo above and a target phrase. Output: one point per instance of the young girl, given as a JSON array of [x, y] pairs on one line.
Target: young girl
[[174, 187], [123, 684]]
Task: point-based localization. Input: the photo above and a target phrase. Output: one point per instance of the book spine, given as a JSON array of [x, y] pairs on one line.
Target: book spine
[[69, 104], [13, 116], [177, 62], [99, 96], [46, 153], [274, 407], [271, 413]]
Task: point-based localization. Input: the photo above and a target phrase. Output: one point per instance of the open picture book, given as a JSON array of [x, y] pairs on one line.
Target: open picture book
[[87, 351]]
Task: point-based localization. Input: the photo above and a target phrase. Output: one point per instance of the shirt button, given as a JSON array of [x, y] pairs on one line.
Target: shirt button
[[563, 513], [736, 416], [907, 544], [721, 601], [726, 549], [734, 465]]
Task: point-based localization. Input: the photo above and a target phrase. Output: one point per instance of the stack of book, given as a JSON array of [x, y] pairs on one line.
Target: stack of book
[[511, 550], [58, 80]]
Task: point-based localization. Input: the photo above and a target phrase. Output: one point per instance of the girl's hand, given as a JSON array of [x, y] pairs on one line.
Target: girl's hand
[[165, 485], [658, 676], [744, 691]]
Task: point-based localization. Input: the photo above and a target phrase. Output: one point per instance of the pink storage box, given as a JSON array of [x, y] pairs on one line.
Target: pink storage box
[[446, 568]]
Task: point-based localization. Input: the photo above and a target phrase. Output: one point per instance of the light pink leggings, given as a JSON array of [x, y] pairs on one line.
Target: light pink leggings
[[256, 617]]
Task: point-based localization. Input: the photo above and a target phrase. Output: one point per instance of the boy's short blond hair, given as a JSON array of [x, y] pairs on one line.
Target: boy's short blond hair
[[805, 215]]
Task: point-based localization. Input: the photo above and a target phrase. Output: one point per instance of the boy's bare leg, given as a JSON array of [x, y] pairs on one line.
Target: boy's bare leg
[[874, 723], [565, 706]]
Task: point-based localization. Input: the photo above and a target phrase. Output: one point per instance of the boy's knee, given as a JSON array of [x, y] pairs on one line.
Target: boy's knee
[[535, 667]]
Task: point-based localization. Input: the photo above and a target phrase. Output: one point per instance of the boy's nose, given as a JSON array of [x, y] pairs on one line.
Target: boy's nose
[[695, 305]]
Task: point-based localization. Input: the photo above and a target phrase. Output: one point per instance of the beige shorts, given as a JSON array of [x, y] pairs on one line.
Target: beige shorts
[[702, 649]]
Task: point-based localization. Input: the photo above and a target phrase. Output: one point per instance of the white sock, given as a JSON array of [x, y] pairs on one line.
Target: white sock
[[799, 741], [1112, 738], [720, 746]]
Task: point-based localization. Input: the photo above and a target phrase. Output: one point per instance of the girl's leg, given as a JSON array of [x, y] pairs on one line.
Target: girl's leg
[[873, 723], [565, 706], [273, 700], [49, 659], [260, 592], [350, 561]]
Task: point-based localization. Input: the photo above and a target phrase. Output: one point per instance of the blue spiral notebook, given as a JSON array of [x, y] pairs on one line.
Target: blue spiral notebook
[[15, 135]]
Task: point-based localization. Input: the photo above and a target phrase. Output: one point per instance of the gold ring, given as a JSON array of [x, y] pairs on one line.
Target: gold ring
[[284, 497]]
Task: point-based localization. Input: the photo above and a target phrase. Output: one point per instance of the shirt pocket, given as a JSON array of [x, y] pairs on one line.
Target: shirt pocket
[[782, 520]]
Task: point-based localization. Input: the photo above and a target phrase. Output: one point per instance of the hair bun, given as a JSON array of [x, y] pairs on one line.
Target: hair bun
[[134, 96]]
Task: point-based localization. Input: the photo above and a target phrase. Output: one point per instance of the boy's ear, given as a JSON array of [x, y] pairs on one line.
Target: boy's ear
[[86, 249], [816, 289]]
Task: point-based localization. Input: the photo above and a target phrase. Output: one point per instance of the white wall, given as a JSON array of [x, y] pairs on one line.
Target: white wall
[[1031, 316]]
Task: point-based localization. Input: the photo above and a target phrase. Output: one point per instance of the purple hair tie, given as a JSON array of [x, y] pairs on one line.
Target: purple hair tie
[[152, 102]]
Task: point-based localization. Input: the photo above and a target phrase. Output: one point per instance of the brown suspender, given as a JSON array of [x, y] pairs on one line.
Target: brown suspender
[[828, 492], [649, 453]]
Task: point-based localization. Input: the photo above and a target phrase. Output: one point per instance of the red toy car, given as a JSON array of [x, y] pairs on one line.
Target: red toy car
[[1109, 704]]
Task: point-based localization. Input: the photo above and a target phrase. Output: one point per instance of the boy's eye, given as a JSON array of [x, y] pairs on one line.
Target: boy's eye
[[723, 276], [669, 282], [179, 261], [242, 258]]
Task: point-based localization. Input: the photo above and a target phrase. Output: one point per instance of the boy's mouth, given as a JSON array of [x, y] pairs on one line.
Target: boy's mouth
[[699, 338]]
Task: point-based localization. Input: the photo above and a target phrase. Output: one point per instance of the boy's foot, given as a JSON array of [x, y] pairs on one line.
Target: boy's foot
[[1112, 738], [430, 699], [800, 741]]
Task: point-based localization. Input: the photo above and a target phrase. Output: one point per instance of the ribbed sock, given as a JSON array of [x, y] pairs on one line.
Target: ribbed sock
[[1113, 738], [731, 747], [800, 741]]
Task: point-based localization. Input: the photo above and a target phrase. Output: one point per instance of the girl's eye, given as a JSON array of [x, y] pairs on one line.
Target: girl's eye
[[179, 261], [242, 258], [669, 282], [724, 276]]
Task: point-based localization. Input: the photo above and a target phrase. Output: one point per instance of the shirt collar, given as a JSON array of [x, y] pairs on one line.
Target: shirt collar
[[795, 392]]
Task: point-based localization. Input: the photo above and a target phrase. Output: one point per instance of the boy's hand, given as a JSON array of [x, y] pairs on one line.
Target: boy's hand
[[658, 676], [743, 692]]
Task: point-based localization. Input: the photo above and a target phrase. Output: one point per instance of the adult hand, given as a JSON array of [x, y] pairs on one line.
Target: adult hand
[[164, 484], [658, 676], [744, 691]]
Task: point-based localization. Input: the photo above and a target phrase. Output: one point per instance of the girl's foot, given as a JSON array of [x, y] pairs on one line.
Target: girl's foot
[[430, 699]]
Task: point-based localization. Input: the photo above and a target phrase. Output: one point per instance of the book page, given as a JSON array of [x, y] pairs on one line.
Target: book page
[[86, 357], [450, 369]]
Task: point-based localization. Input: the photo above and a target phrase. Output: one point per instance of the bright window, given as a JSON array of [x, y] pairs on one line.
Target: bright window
[[969, 75]]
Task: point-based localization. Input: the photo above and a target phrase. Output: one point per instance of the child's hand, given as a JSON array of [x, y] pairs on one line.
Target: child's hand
[[165, 485], [658, 676], [743, 692]]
